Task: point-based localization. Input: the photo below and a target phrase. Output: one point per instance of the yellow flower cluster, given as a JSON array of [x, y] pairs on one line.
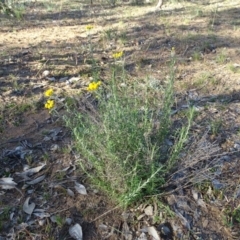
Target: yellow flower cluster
[[93, 86], [118, 55], [48, 93], [89, 27], [49, 104]]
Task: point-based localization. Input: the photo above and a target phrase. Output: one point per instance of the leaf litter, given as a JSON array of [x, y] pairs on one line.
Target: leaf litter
[[76, 232], [28, 207]]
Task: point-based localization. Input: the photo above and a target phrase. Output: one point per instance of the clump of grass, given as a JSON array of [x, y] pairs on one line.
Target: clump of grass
[[196, 56], [122, 36], [13, 113], [12, 9], [109, 34], [221, 57], [4, 216], [199, 12], [204, 81], [120, 139], [233, 68]]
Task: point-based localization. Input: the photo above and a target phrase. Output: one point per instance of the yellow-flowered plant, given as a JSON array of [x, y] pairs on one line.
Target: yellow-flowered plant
[[117, 55], [173, 52], [89, 27], [49, 104], [48, 93], [93, 86]]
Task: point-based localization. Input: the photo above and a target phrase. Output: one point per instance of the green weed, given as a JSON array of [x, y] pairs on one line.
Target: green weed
[[46, 196], [120, 142], [215, 126], [29, 159], [236, 214], [45, 157], [60, 175], [231, 216], [59, 220]]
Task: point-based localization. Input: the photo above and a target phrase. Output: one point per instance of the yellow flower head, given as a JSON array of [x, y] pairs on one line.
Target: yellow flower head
[[93, 86], [173, 52], [48, 93], [117, 55], [49, 104], [89, 27]]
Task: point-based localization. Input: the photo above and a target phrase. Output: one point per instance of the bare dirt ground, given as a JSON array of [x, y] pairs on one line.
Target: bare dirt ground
[[204, 192]]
